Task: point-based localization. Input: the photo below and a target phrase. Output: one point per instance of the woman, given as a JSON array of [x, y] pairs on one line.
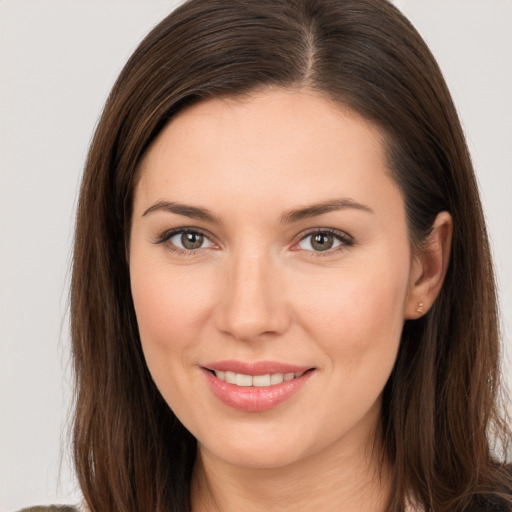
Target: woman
[[282, 291]]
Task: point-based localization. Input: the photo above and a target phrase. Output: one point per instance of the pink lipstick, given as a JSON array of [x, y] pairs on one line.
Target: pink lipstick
[[255, 387]]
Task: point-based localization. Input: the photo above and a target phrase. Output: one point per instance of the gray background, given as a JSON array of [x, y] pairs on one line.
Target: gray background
[[58, 60]]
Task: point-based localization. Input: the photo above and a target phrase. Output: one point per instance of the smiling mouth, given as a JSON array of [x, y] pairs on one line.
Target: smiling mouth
[[259, 381], [261, 387]]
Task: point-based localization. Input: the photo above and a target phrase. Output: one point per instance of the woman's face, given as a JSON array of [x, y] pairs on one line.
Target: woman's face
[[270, 269]]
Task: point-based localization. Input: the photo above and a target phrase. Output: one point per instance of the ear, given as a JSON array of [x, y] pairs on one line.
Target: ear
[[429, 266]]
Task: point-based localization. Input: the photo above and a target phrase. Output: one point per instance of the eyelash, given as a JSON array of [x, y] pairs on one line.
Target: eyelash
[[344, 238], [345, 241], [166, 236]]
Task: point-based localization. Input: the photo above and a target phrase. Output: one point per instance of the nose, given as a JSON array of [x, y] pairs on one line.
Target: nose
[[252, 302]]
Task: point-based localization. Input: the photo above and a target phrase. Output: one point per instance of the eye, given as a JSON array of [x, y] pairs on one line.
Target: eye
[[324, 240], [189, 240], [185, 240]]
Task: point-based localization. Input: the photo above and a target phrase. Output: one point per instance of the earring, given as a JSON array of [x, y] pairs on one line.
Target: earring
[[420, 308]]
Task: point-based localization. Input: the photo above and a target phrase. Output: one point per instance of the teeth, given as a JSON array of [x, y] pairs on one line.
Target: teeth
[[243, 380], [276, 378], [260, 381]]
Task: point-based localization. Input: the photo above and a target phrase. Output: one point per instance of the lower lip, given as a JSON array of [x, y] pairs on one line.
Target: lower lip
[[255, 399]]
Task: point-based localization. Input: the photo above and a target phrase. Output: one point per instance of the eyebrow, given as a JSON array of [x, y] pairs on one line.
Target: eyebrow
[[193, 212], [313, 210], [289, 217]]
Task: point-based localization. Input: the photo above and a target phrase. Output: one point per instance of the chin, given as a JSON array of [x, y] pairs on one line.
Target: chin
[[271, 456]]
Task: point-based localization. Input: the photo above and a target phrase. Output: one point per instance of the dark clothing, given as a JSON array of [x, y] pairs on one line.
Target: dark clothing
[[50, 508]]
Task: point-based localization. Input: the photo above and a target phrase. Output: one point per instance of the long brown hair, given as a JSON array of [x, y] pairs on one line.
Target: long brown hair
[[441, 414]]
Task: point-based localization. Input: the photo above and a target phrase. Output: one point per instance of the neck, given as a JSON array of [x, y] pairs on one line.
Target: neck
[[353, 479]]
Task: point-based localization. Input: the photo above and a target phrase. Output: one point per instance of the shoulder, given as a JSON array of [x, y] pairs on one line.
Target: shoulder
[[499, 502], [51, 508], [490, 506], [498, 497]]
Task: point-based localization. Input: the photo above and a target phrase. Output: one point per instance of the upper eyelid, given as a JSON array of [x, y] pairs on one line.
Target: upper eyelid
[[169, 233], [332, 231]]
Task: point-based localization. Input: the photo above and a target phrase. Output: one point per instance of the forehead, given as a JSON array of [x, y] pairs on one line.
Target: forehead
[[292, 146]]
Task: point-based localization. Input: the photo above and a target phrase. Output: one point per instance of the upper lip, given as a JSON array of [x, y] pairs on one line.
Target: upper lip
[[255, 368]]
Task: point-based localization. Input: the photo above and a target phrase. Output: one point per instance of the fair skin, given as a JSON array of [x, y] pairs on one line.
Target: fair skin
[[262, 283]]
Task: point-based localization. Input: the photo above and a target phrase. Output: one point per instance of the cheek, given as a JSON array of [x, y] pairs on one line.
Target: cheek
[[358, 315], [171, 308], [356, 322]]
